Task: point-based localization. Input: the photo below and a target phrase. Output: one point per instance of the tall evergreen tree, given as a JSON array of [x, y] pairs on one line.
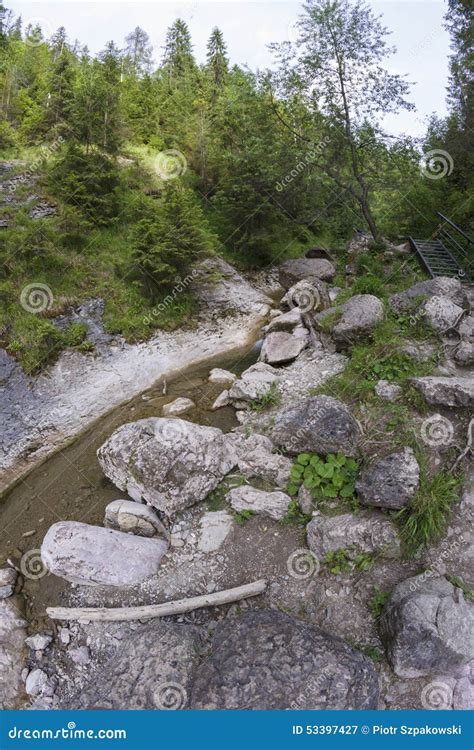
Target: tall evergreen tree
[[178, 59], [217, 61]]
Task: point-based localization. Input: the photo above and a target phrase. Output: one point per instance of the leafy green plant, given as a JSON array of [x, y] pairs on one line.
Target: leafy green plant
[[378, 601], [294, 515], [270, 398], [243, 516], [330, 478], [347, 559]]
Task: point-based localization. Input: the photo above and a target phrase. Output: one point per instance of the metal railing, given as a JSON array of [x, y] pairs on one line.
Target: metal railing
[[458, 243]]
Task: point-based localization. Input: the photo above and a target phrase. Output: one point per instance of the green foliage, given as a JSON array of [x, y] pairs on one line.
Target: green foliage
[[294, 515], [423, 522], [378, 601], [243, 516], [347, 560], [330, 478], [271, 397], [372, 652], [459, 583]]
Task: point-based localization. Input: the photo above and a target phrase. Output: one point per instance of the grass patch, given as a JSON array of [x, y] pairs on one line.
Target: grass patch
[[243, 516], [378, 601], [295, 516], [459, 583], [347, 560], [424, 521], [270, 398]]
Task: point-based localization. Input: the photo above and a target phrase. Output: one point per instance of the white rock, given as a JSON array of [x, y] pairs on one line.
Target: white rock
[[36, 682], [217, 375], [221, 401], [446, 391], [388, 391], [8, 578], [214, 528], [285, 322], [281, 347], [255, 458], [441, 313], [91, 555], [177, 407], [272, 504], [39, 642], [253, 384], [80, 655], [136, 518]]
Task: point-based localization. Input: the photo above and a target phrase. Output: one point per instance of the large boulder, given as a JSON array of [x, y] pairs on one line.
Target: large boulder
[[133, 518], [254, 383], [363, 533], [12, 652], [255, 458], [427, 627], [444, 286], [169, 463], [464, 352], [307, 296], [151, 670], [281, 347], [319, 424], [389, 482], [267, 660], [272, 504], [353, 320], [92, 556], [441, 313], [292, 271], [446, 391]]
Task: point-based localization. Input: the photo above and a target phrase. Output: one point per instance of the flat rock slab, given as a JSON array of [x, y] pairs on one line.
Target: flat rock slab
[[441, 313], [272, 504], [443, 286], [92, 555], [446, 391], [365, 532], [171, 464], [292, 271], [217, 375], [281, 347], [267, 660], [177, 407], [151, 670], [214, 529], [427, 627], [320, 424], [389, 482]]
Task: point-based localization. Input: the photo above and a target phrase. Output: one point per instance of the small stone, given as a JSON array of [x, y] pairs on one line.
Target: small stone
[[80, 656], [214, 528], [135, 518], [39, 642], [221, 401], [272, 504], [388, 391], [221, 376], [177, 407], [65, 636], [36, 682], [8, 577], [280, 347]]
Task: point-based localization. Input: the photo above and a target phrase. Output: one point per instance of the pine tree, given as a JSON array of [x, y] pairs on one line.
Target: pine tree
[[178, 60], [61, 81], [217, 61]]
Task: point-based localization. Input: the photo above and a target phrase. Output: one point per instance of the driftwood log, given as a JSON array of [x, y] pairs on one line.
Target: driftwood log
[[148, 612]]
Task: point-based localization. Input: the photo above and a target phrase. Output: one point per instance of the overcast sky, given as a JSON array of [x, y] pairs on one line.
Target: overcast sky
[[250, 25]]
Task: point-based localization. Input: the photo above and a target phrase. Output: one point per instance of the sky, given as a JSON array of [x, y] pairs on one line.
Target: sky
[[250, 25]]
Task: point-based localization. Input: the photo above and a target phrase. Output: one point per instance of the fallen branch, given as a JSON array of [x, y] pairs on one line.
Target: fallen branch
[[147, 612]]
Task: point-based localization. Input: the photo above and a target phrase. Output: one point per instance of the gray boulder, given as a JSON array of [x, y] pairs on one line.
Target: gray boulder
[[133, 518], [307, 296], [427, 627], [151, 670], [441, 313], [466, 328], [272, 504], [464, 354], [268, 660], [255, 458], [281, 347], [389, 482], [446, 391], [12, 652], [444, 286], [91, 555], [364, 532], [292, 271], [353, 320], [253, 384], [319, 424], [169, 463], [287, 322]]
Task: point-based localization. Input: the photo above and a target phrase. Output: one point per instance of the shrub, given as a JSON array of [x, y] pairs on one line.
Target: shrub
[[330, 478]]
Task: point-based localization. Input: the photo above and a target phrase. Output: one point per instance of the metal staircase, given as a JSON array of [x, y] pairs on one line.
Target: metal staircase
[[448, 253]]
